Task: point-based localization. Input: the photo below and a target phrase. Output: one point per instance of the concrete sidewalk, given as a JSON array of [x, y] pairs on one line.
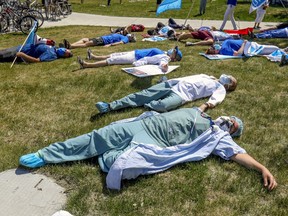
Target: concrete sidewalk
[[99, 20]]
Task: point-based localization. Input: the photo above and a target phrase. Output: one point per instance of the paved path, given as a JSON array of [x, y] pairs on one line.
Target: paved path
[[99, 20]]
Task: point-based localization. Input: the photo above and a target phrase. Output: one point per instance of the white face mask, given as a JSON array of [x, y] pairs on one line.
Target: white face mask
[[224, 122], [225, 79]]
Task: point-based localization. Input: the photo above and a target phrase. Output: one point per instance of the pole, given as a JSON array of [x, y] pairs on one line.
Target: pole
[[189, 12], [35, 23]]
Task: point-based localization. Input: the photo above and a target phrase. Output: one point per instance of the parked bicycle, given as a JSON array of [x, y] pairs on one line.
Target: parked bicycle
[[13, 18]]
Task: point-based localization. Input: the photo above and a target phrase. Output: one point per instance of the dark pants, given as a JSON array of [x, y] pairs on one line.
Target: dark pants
[[8, 55]]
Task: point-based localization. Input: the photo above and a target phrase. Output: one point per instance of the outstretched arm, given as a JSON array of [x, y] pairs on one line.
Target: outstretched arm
[[249, 162]]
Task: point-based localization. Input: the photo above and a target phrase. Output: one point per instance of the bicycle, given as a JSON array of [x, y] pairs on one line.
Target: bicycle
[[11, 17]]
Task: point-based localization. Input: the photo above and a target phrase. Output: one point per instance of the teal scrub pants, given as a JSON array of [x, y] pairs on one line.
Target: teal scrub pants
[[116, 137], [158, 97]]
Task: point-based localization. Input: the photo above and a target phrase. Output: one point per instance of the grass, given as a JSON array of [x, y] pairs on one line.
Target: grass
[[49, 102], [215, 10]]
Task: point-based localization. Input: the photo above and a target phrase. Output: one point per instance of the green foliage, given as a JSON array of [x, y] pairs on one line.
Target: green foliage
[[215, 10], [47, 102]]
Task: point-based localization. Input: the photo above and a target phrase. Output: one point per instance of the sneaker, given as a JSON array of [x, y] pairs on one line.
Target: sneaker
[[32, 160], [89, 54], [67, 45], [283, 61], [81, 62], [188, 44], [102, 107]]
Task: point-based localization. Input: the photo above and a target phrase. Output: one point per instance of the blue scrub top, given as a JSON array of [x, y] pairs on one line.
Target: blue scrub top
[[229, 46], [113, 38], [42, 51], [141, 53]]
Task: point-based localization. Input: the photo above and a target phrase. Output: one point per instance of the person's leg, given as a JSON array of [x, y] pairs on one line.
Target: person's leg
[[232, 17], [98, 58], [226, 16], [278, 33], [169, 102], [184, 36], [145, 96], [8, 55], [114, 136], [96, 64], [84, 42]]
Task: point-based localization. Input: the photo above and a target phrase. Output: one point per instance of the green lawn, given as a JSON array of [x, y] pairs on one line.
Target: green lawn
[[215, 10], [49, 102]]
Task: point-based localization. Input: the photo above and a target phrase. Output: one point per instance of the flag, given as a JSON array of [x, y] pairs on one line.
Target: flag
[[256, 4], [32, 37], [169, 5]]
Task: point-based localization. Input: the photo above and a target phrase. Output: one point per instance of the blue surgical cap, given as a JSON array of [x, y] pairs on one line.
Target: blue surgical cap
[[61, 51], [240, 127], [178, 53]]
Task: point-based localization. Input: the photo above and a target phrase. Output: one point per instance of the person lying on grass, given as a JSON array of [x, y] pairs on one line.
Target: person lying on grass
[[106, 40], [153, 143], [136, 57], [233, 47], [43, 50], [173, 93]]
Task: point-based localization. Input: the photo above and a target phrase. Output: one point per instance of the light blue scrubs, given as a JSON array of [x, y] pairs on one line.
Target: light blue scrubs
[[168, 129], [158, 97]]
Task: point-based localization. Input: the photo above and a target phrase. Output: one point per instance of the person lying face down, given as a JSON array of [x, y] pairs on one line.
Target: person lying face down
[[136, 57], [173, 93], [152, 138]]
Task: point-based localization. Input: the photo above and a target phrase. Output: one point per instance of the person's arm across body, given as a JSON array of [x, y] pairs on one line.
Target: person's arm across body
[[27, 58], [241, 50], [249, 162]]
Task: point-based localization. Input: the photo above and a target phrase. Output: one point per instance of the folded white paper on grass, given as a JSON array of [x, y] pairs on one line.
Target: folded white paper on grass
[[148, 70]]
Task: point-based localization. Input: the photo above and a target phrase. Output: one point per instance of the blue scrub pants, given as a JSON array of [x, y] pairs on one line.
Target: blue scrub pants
[[158, 97], [278, 33], [112, 137]]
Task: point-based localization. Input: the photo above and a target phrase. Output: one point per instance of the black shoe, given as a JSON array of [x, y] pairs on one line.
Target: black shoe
[[67, 45], [81, 62]]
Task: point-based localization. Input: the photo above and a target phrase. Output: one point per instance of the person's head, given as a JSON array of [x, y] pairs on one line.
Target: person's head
[[231, 124], [151, 32], [63, 53], [175, 54], [228, 81], [131, 37], [214, 49]]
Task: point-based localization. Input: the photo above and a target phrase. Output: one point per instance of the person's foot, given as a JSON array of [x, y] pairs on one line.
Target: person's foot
[[32, 160], [102, 107], [111, 30], [89, 54], [81, 62], [188, 27], [251, 34], [284, 60], [67, 45], [188, 44], [286, 50]]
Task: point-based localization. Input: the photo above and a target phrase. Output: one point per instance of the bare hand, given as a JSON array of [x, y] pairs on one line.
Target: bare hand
[[269, 180]]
